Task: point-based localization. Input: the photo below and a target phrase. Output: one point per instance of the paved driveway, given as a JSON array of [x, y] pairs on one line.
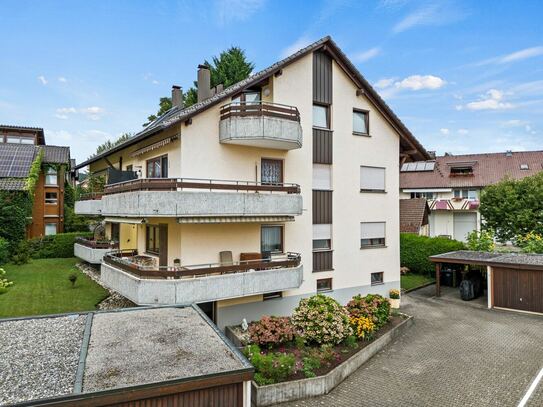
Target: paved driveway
[[454, 355]]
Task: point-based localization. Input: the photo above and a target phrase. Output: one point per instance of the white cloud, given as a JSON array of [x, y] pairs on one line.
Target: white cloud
[[42, 79], [418, 82], [297, 45], [62, 79], [64, 110], [463, 131], [520, 55], [367, 55], [92, 112], [155, 82], [514, 123], [237, 10], [492, 100], [431, 14], [444, 131], [384, 83]]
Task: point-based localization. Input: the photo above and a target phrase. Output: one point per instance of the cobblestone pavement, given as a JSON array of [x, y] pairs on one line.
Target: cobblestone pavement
[[454, 355]]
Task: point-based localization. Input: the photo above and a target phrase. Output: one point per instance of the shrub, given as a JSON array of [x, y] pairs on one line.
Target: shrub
[[394, 294], [320, 319], [481, 241], [271, 331], [72, 278], [54, 246], [415, 250], [310, 364], [21, 254], [4, 250], [4, 282], [363, 327], [373, 306], [270, 368], [530, 243]]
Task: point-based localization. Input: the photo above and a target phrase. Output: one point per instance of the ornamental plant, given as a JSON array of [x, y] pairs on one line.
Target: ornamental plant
[[363, 327], [373, 306], [271, 367], [394, 294], [531, 243], [4, 282], [320, 319], [271, 331], [481, 241]]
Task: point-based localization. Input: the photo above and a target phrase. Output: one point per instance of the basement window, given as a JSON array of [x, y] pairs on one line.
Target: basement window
[[324, 284], [377, 278]]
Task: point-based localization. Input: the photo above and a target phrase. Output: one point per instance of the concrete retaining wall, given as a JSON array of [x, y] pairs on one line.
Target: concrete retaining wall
[[317, 386], [89, 207], [88, 254]]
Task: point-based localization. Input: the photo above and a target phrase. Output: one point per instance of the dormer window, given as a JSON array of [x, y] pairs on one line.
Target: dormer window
[[247, 97], [524, 167], [461, 168]]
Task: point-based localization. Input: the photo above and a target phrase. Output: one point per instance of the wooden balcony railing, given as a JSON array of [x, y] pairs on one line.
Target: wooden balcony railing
[[88, 196], [131, 262], [256, 109], [97, 244], [174, 184]]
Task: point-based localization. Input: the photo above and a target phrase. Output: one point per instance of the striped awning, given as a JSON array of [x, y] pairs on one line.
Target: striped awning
[[153, 146], [234, 219], [126, 220]]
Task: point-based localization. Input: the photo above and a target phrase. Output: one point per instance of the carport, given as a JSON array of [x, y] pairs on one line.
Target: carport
[[514, 280]]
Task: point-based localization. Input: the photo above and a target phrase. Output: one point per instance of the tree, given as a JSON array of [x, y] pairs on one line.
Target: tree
[[230, 67], [110, 144], [513, 208]]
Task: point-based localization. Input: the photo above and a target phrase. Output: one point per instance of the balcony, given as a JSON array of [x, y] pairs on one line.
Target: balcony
[[92, 251], [89, 204], [454, 204], [140, 280], [191, 200], [261, 124]]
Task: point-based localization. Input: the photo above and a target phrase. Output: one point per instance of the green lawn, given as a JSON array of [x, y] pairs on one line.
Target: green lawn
[[410, 281], [42, 287]]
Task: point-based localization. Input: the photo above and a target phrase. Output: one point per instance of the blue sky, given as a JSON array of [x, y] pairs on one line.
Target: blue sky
[[463, 76]]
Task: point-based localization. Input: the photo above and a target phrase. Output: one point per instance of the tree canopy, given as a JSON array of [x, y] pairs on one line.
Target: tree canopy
[[230, 67], [110, 144], [513, 208]]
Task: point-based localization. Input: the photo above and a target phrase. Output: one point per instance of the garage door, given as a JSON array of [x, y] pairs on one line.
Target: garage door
[[464, 223], [518, 289]]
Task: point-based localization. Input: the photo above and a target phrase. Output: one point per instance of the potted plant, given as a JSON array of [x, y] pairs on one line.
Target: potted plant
[[394, 298]]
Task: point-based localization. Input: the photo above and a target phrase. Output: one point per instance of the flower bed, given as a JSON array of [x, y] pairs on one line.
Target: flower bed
[[320, 335]]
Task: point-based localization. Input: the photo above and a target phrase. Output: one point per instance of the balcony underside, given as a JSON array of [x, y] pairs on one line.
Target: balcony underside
[[263, 132], [145, 291], [89, 254]]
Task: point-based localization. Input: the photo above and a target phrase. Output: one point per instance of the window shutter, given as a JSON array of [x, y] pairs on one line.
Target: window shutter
[[372, 178], [322, 176], [372, 230]]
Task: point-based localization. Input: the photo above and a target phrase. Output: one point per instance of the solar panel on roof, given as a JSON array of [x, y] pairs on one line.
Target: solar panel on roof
[[15, 160], [418, 166]]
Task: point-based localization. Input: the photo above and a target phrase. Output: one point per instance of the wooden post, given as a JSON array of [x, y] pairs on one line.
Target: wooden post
[[438, 278]]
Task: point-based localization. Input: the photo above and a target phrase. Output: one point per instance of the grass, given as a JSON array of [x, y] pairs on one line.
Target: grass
[[42, 287], [410, 281]]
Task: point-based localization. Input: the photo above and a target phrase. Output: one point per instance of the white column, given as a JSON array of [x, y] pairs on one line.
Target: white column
[[489, 285], [247, 393]]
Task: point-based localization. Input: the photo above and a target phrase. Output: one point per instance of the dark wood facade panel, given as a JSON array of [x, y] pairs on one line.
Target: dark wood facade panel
[[322, 78], [322, 146], [323, 261], [322, 207], [518, 289]]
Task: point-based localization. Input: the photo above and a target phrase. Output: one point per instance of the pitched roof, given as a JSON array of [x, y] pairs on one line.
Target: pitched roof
[[176, 115], [413, 214], [37, 130], [12, 184], [488, 168], [16, 159], [56, 154]]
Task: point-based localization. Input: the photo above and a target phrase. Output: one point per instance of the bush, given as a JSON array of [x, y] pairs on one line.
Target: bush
[[4, 250], [415, 250], [54, 246], [270, 368], [363, 327], [373, 306], [320, 319], [481, 241], [21, 254], [531, 243], [4, 282], [271, 331]]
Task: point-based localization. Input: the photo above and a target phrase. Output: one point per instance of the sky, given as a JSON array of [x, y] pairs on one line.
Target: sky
[[464, 76]]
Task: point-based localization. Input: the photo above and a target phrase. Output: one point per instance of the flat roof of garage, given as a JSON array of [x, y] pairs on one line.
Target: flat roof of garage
[[522, 261]]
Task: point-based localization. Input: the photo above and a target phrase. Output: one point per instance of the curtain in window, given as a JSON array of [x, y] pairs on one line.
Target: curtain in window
[[271, 172], [271, 239]]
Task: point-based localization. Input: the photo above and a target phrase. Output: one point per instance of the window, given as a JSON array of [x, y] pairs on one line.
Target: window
[[360, 122], [248, 97], [524, 167], [324, 284], [321, 116], [50, 229], [465, 170], [51, 198], [115, 232], [272, 296], [152, 239], [129, 167], [427, 195], [322, 244], [19, 139], [470, 194], [372, 179], [271, 171], [157, 167], [51, 177], [322, 176], [271, 239], [322, 237], [372, 234], [377, 278]]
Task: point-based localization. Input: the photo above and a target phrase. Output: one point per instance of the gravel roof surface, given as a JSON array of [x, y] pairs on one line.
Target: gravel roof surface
[[39, 357], [151, 345], [502, 258], [468, 255]]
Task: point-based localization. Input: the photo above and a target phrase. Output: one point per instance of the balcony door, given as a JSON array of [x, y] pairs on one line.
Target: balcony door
[[271, 171], [157, 167], [157, 242], [271, 240]]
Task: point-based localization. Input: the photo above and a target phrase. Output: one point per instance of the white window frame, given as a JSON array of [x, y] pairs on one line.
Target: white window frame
[[50, 172], [369, 167], [46, 233], [381, 240]]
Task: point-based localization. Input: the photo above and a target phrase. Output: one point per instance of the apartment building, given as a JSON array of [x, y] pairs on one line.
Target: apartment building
[[281, 186], [19, 147], [452, 185]]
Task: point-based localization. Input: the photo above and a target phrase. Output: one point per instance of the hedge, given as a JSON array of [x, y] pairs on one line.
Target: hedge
[[54, 246], [415, 250]]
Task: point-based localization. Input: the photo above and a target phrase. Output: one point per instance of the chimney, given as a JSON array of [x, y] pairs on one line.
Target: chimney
[[204, 83], [177, 97], [509, 153]]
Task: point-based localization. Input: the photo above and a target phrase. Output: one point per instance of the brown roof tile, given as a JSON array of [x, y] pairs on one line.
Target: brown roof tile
[[413, 214]]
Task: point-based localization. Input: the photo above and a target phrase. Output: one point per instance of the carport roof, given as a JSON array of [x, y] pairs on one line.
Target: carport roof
[[510, 260]]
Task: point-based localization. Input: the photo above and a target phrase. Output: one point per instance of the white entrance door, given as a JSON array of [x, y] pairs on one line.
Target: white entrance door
[[464, 223]]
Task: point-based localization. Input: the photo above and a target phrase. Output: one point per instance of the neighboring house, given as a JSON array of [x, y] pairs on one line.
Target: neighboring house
[[414, 214], [19, 147], [452, 184], [281, 186]]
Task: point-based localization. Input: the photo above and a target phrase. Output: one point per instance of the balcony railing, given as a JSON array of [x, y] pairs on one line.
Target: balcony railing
[[143, 267], [176, 184], [453, 204], [257, 109], [97, 244], [88, 196]]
